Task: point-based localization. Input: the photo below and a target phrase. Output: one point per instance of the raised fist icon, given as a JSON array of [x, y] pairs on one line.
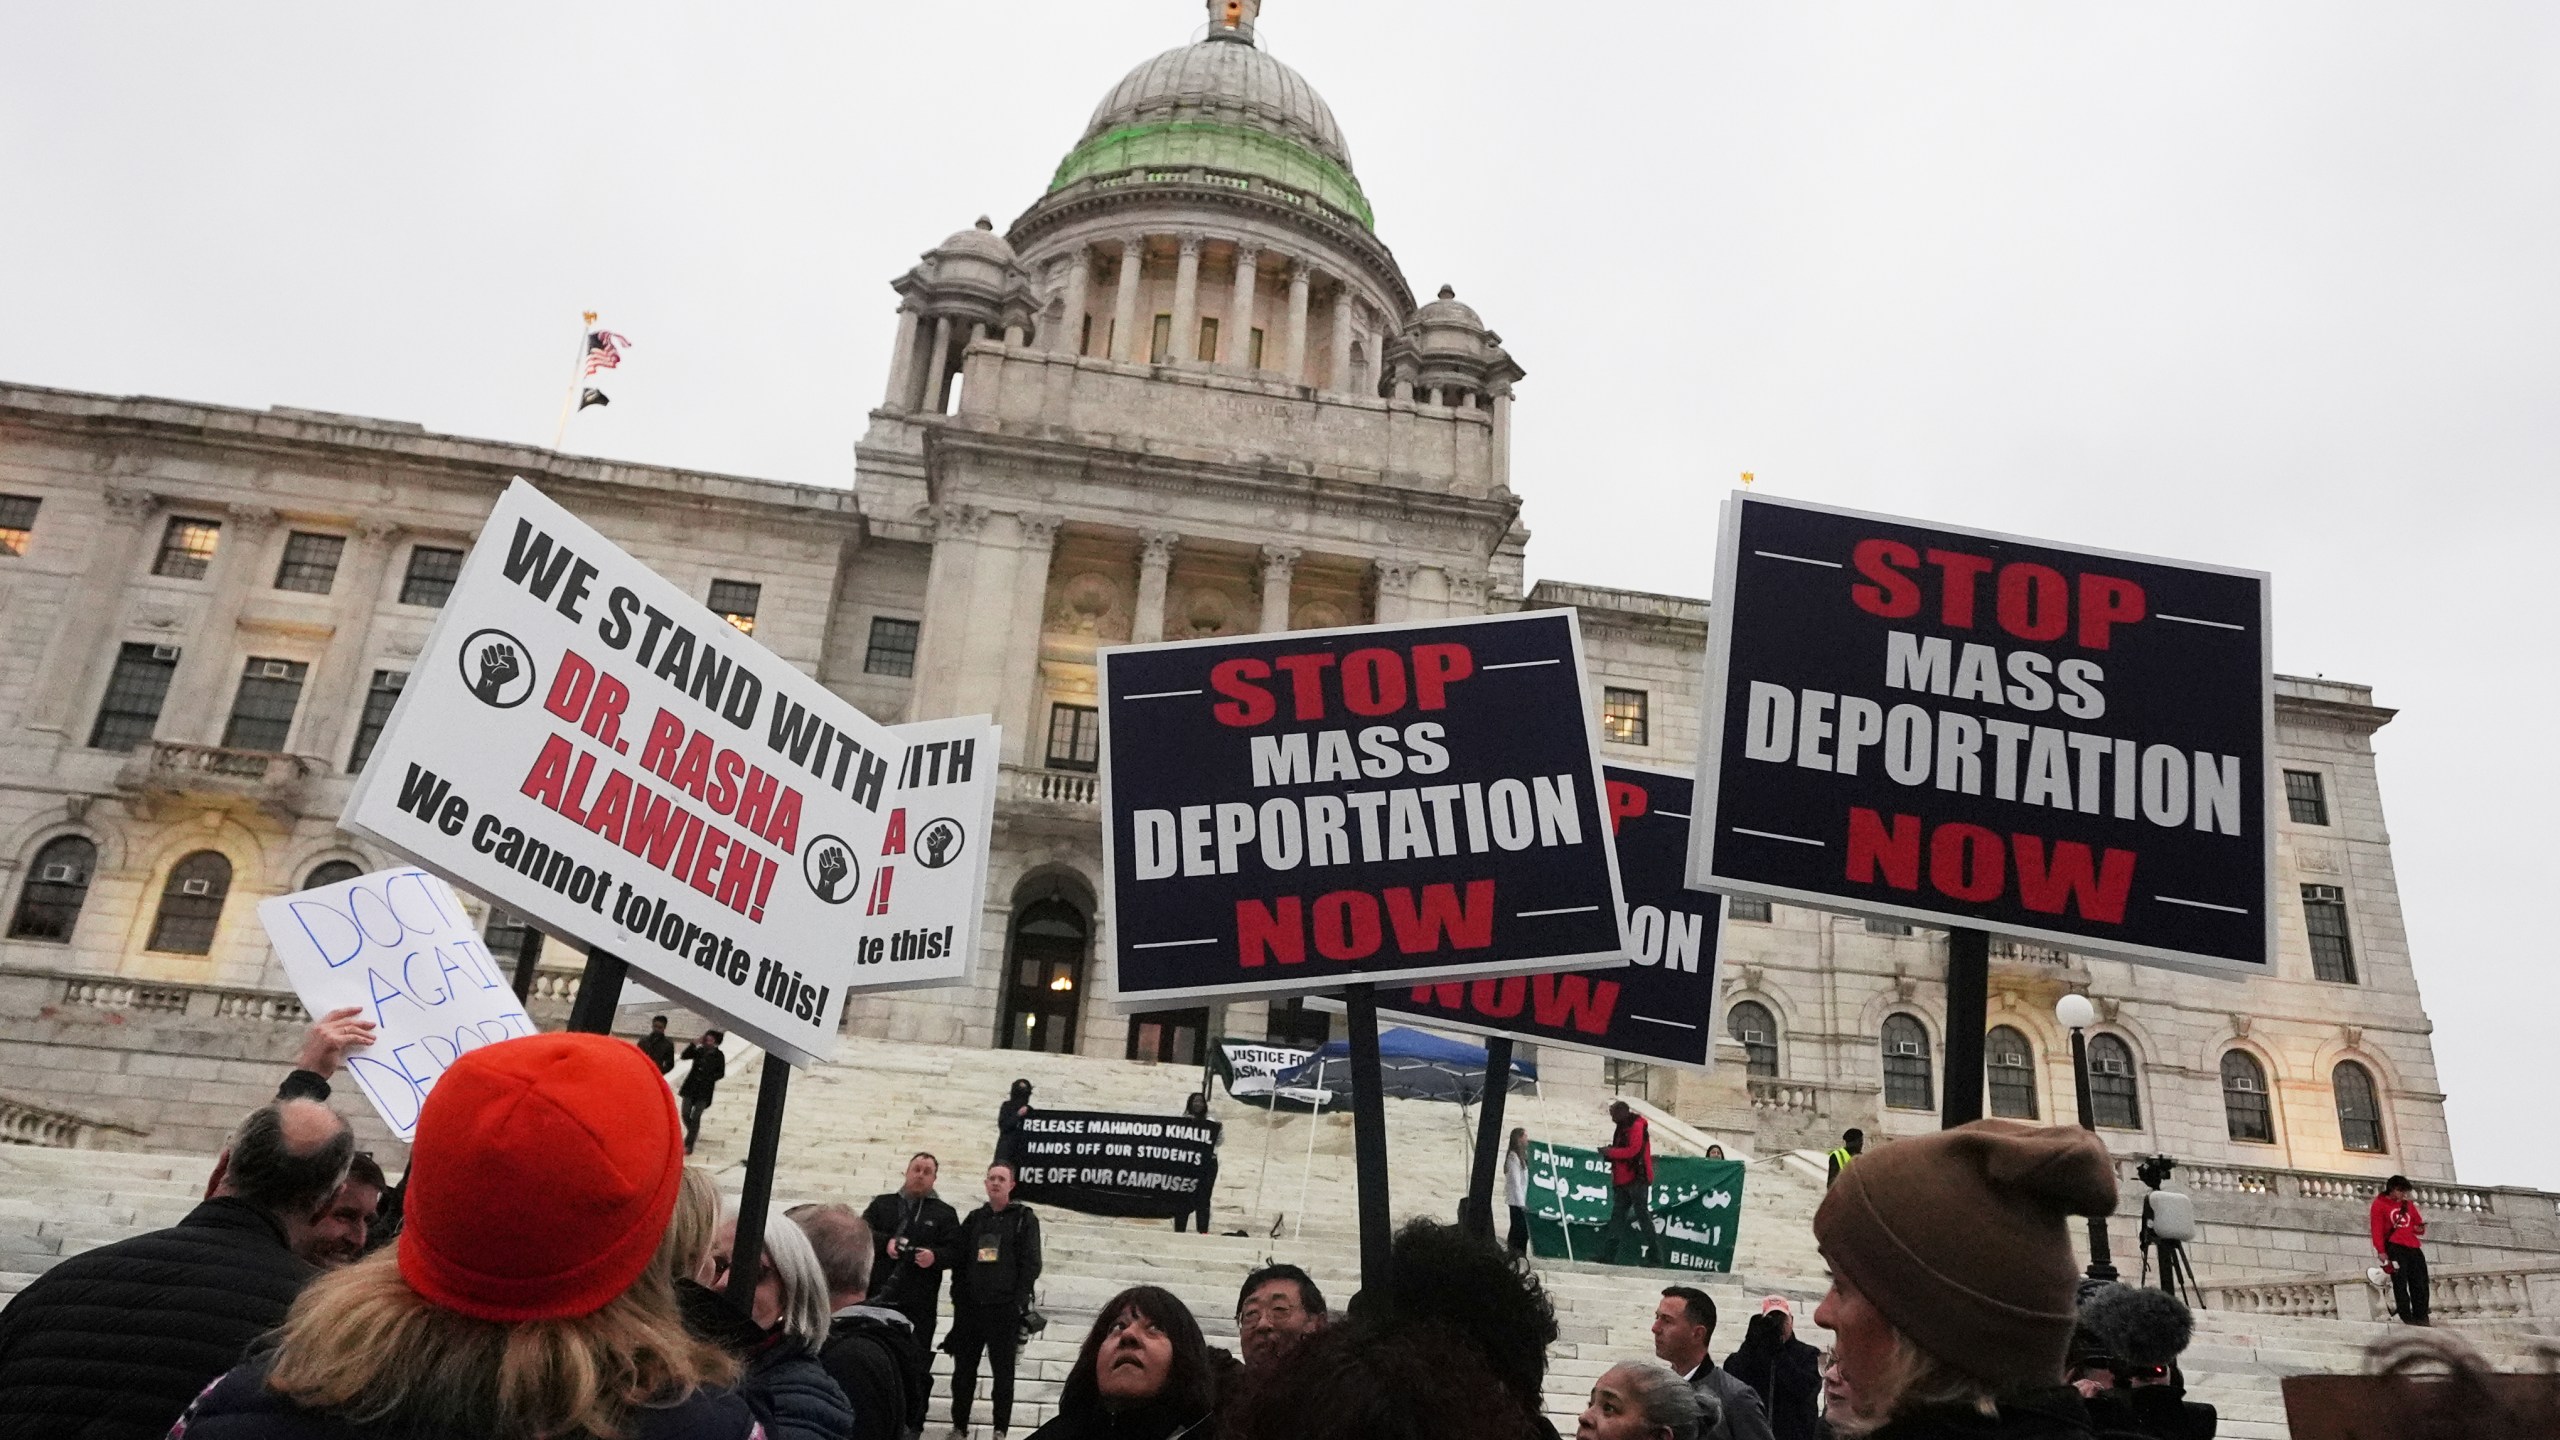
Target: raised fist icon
[[498, 668], [830, 869]]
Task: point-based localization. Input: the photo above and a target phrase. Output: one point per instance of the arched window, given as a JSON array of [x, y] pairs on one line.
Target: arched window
[[1906, 1065], [330, 872], [2245, 1111], [191, 904], [56, 886], [1750, 1022], [2359, 1113], [2111, 1090], [2009, 1068]]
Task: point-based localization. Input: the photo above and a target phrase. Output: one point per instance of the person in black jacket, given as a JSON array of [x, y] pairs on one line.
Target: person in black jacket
[[112, 1344], [1009, 1117], [2142, 1333], [1784, 1371], [914, 1236], [784, 1382], [871, 1350], [704, 1067], [991, 1286], [1144, 1373], [1196, 1110]]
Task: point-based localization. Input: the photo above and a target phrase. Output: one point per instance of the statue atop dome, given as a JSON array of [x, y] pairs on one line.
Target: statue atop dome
[[1233, 19]]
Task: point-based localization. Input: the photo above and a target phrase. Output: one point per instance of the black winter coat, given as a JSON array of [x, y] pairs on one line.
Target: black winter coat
[[928, 1224], [2162, 1412], [241, 1407], [999, 1258], [112, 1344], [1786, 1373], [793, 1394], [873, 1354], [1146, 1422], [704, 1067], [2055, 1414]]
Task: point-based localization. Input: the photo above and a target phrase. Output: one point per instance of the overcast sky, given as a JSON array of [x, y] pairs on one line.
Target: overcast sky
[[2267, 285]]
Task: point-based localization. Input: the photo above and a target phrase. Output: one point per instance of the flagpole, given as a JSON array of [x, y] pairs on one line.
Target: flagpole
[[577, 374]]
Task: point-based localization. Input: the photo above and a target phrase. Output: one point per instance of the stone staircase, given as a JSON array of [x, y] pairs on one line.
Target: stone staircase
[[852, 1124]]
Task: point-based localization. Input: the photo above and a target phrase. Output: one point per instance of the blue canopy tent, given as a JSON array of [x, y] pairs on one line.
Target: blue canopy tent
[[1412, 1065]]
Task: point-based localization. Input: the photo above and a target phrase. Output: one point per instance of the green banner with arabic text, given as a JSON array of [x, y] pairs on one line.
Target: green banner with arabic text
[[1697, 1210]]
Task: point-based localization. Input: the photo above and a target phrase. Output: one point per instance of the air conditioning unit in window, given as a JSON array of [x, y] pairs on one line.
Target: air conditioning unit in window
[[164, 652], [1903, 1047], [195, 887], [2244, 1086], [1755, 1037], [275, 670], [2109, 1067], [60, 875]]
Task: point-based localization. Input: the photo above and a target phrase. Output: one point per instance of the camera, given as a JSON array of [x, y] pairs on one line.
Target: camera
[[2154, 1171]]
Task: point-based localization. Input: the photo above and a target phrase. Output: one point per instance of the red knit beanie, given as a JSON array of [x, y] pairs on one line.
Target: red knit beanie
[[1962, 1240], [541, 1180]]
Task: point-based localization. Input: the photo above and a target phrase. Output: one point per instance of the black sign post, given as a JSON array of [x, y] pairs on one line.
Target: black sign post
[[599, 993], [764, 1146], [1968, 1018], [1497, 1090], [1369, 1139], [1982, 733]]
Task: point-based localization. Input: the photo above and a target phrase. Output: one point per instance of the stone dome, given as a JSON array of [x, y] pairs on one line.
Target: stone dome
[[1449, 310], [980, 241], [1222, 80]]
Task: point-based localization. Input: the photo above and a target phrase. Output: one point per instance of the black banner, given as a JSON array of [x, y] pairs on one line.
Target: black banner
[[1288, 813], [1960, 728], [1106, 1164], [1659, 1009]]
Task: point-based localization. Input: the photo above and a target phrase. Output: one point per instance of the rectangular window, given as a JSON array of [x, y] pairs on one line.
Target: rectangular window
[[1075, 737], [893, 647], [1627, 1077], [2324, 915], [432, 572], [1253, 351], [1160, 344], [186, 548], [1887, 927], [735, 602], [378, 701], [17, 522], [1738, 908], [262, 713], [310, 562], [135, 693], [1208, 340], [507, 934], [1290, 1022], [2303, 796], [1084, 337], [1622, 716]]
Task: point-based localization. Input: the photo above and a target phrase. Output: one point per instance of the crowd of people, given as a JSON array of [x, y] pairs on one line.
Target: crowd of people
[[551, 1268]]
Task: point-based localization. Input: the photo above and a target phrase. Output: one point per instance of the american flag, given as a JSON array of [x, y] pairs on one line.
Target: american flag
[[604, 350]]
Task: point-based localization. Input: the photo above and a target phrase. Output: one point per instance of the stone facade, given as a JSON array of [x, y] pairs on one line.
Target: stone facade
[[1187, 393]]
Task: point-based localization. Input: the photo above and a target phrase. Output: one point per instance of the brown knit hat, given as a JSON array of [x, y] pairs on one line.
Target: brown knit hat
[[1961, 1239]]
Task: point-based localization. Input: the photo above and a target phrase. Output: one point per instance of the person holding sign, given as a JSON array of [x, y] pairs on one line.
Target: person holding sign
[[999, 1262]]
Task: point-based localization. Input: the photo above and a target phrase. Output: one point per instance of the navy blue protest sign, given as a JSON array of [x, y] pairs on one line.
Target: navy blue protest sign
[[1965, 729], [1660, 1008], [1393, 803]]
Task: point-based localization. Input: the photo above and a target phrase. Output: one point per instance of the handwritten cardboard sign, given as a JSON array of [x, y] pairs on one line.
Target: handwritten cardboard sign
[[398, 944]]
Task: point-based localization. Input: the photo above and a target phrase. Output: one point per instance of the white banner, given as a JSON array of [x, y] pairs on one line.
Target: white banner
[[1252, 1068], [398, 945], [593, 749], [922, 909]]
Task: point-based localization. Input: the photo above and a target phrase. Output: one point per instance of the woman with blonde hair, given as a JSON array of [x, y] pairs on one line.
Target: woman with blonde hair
[[529, 1296], [1952, 1282]]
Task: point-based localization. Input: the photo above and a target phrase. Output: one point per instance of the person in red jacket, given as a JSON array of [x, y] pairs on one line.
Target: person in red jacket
[[2398, 1231], [1630, 1154]]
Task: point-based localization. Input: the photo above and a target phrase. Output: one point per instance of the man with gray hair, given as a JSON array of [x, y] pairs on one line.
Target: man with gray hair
[[1645, 1400], [112, 1344], [871, 1350]]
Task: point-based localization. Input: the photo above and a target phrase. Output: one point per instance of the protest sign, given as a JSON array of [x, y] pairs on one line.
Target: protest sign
[[928, 889], [588, 746], [398, 945], [1251, 1069], [1697, 1209], [1970, 730], [1297, 812], [1659, 1009], [1106, 1164]]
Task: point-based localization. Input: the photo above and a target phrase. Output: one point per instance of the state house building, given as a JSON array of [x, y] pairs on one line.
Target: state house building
[[1187, 392]]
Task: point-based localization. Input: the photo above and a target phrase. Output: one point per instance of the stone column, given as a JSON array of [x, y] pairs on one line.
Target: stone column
[[1338, 371], [946, 648], [1294, 359], [1124, 304], [1155, 565], [902, 362], [1186, 302], [937, 366], [1501, 476], [1395, 581], [80, 652], [1278, 563], [1069, 339], [1035, 542], [1239, 341], [209, 666], [338, 683]]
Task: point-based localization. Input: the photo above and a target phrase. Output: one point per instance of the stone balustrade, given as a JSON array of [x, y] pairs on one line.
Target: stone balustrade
[[2316, 1185], [1769, 1092], [24, 1123], [275, 782], [2499, 1293], [1026, 784]]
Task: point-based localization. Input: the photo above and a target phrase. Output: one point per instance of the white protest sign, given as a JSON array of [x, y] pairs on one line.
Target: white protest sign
[[1254, 1069], [592, 748], [928, 884], [398, 945]]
